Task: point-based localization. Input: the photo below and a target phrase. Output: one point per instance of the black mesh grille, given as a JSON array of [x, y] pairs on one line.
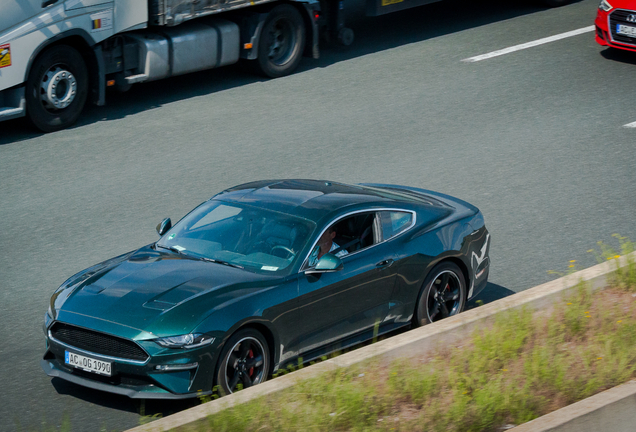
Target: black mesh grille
[[98, 343], [620, 17]]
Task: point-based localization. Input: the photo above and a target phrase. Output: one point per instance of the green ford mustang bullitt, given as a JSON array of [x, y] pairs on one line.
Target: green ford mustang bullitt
[[259, 276]]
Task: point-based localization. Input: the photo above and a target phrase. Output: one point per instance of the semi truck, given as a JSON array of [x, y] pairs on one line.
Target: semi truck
[[57, 55]]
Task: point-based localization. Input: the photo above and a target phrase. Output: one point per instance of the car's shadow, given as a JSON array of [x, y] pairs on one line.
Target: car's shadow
[[143, 407], [491, 293], [618, 55], [149, 408], [373, 34]]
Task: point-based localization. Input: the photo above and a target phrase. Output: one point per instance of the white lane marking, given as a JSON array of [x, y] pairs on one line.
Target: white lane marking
[[630, 125], [529, 44]]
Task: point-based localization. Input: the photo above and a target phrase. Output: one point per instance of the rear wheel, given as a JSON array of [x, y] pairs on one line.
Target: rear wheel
[[282, 42], [244, 361], [443, 294], [56, 89]]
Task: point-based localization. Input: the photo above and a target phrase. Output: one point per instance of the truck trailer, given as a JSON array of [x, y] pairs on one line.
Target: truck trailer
[[55, 55]]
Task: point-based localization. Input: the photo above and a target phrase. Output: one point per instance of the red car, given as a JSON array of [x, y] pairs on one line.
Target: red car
[[616, 24]]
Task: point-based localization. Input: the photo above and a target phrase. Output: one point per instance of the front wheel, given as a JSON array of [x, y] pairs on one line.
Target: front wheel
[[443, 294], [56, 89], [282, 42], [244, 362]]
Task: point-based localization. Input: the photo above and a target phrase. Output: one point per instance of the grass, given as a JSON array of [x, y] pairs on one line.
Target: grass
[[524, 366]]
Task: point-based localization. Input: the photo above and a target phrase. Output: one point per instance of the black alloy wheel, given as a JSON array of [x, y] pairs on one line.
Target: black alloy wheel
[[57, 88], [244, 362], [282, 42], [443, 294]]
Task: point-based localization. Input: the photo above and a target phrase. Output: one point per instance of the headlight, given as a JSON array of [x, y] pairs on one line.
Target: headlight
[[605, 6], [192, 340]]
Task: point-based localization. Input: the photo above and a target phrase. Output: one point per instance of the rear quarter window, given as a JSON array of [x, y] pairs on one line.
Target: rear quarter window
[[395, 222]]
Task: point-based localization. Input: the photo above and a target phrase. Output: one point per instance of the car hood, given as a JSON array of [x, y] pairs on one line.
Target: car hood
[[152, 292]]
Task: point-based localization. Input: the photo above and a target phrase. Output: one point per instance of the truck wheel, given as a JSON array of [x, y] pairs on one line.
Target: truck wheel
[[345, 36], [56, 89], [282, 42]]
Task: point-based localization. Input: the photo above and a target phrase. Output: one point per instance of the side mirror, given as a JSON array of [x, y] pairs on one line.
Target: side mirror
[[164, 226], [329, 263]]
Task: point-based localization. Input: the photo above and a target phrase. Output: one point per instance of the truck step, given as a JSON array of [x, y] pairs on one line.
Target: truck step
[[11, 113], [136, 78]]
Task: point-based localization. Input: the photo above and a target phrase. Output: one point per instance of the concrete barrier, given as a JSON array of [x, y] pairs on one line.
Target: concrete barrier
[[613, 409], [407, 344]]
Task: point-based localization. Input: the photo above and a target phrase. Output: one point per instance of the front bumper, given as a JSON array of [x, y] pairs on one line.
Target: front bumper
[[139, 379], [604, 35], [53, 369]]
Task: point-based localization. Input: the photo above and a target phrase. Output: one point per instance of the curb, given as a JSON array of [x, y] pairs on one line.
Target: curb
[[612, 410], [410, 343]]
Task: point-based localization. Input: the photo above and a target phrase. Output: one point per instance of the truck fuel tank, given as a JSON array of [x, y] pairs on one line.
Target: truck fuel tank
[[190, 47]]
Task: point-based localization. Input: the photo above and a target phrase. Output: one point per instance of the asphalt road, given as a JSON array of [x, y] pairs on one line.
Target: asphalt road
[[533, 138]]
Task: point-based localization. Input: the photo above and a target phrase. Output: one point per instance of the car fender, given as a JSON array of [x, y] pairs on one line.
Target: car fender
[[208, 369], [270, 307], [419, 253]]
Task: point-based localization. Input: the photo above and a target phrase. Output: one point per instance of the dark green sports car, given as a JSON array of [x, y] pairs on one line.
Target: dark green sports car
[[259, 276]]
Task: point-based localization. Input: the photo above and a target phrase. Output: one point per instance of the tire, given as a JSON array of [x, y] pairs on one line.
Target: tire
[[244, 360], [59, 75], [431, 306], [345, 36], [281, 43]]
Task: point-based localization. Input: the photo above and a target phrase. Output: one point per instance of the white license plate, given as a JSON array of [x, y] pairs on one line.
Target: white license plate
[[625, 30], [87, 363]]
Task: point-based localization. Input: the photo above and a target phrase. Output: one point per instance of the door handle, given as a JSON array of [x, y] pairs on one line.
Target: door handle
[[384, 264], [46, 3]]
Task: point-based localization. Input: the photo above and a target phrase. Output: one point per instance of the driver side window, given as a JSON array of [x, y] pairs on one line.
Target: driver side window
[[358, 231], [348, 235]]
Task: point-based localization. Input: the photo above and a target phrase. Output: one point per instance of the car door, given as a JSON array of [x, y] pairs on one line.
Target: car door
[[332, 306]]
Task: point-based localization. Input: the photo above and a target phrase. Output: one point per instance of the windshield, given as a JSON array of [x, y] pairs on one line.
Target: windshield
[[253, 238], [16, 11]]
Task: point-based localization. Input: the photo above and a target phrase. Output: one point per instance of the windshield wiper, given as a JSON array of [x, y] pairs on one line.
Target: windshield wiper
[[229, 264], [171, 248]]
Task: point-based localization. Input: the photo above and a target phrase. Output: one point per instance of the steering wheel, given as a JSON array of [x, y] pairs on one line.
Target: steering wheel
[[286, 249]]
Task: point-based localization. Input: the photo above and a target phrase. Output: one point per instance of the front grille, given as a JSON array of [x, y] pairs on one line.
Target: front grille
[[98, 343], [619, 16]]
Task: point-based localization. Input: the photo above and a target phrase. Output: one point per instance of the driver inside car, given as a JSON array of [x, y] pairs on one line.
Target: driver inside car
[[325, 245]]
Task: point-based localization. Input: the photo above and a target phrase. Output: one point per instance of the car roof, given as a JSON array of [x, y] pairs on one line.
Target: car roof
[[314, 199]]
